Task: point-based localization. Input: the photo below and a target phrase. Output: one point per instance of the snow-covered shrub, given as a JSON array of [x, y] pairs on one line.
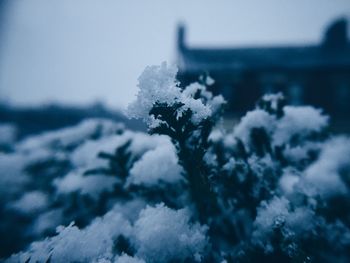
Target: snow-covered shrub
[[74, 245], [27, 174], [275, 188], [187, 117]]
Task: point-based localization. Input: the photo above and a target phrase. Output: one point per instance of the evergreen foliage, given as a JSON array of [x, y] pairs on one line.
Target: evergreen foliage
[[274, 189]]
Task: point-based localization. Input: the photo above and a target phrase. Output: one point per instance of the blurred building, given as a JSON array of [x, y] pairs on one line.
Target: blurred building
[[315, 75]]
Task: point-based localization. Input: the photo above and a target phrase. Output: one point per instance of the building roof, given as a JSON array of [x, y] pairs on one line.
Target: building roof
[[333, 52]]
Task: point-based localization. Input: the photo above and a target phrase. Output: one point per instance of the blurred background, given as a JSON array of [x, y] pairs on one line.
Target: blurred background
[[62, 61]]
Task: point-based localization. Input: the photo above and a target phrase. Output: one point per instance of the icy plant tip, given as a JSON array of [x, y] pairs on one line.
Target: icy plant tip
[[158, 85]]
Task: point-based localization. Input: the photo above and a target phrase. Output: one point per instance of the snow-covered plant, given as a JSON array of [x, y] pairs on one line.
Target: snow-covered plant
[[187, 116], [275, 188]]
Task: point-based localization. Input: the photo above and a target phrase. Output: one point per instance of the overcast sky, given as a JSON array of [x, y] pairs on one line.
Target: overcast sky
[[80, 51]]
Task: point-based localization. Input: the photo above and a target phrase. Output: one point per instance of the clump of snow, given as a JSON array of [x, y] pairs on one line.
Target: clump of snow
[[277, 217], [323, 177], [141, 142], [254, 119], [270, 215], [273, 99], [301, 120], [86, 155], [75, 245], [46, 222], [157, 165], [193, 88], [209, 81], [124, 258], [216, 136], [199, 110], [296, 154], [288, 180], [30, 202], [163, 235], [92, 185], [157, 84], [260, 165], [214, 103], [130, 209], [71, 136], [298, 122]]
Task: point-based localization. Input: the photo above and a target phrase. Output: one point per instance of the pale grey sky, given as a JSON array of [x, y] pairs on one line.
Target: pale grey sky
[[79, 51]]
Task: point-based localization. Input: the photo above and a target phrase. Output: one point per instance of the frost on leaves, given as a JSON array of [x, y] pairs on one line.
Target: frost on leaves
[[276, 188]]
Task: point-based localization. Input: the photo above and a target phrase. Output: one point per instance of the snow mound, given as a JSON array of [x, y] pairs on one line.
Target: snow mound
[[164, 235]]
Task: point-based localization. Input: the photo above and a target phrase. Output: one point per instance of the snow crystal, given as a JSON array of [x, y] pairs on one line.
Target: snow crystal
[[164, 235]]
